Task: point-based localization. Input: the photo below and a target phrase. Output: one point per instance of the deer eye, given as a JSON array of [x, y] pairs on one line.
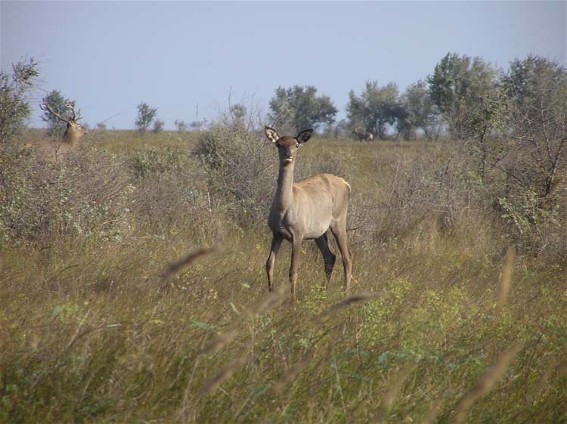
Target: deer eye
[[297, 145]]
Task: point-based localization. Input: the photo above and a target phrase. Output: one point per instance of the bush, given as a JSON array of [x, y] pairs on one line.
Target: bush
[[521, 146], [14, 105], [241, 173], [86, 196], [414, 197], [172, 194]]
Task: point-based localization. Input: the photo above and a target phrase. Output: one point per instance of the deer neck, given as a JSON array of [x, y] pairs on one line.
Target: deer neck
[[71, 138], [284, 192]]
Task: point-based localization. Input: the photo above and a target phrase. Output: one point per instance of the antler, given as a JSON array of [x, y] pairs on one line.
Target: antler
[[75, 116], [50, 110]]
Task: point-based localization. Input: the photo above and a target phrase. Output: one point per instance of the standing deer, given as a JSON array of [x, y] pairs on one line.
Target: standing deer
[[363, 135], [73, 133], [306, 210]]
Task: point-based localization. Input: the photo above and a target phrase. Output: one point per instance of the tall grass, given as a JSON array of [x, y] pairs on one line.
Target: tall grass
[[171, 320]]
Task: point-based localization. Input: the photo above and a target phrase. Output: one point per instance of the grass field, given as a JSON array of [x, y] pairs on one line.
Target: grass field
[[451, 317]]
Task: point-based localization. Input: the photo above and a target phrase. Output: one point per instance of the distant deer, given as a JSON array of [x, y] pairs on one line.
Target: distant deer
[[363, 135], [306, 210], [73, 133]]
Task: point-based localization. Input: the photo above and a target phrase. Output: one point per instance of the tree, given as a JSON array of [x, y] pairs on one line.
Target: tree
[[236, 117], [198, 125], [458, 86], [146, 115], [421, 113], [238, 114], [520, 134], [297, 108], [340, 129], [101, 126], [375, 109], [14, 104], [181, 126], [536, 90], [55, 126], [158, 126]]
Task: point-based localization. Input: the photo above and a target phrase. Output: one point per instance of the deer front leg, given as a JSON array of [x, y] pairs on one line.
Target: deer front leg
[[270, 262], [295, 252]]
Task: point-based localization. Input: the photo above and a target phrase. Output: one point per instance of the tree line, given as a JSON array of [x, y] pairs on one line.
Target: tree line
[[464, 97]]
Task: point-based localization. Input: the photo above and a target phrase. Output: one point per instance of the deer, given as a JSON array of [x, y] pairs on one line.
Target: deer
[[363, 135], [71, 137], [306, 210]]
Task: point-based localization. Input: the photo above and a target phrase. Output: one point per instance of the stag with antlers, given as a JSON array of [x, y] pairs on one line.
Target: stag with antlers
[[73, 132]]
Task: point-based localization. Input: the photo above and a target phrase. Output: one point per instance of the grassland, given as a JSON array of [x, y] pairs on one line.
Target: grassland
[[452, 316]]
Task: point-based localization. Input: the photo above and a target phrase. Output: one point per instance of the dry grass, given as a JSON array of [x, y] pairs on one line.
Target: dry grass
[[441, 325]]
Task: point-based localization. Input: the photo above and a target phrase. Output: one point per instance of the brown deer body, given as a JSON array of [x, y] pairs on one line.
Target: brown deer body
[[306, 210], [363, 135]]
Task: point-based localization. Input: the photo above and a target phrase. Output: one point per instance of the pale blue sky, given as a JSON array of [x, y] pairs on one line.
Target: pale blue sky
[[109, 56]]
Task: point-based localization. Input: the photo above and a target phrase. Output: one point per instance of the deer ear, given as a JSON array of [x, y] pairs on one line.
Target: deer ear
[[271, 134], [304, 136]]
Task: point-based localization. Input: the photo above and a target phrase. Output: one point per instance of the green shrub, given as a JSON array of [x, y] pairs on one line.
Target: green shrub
[[86, 196]]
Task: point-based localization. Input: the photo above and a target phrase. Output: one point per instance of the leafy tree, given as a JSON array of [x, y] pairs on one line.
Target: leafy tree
[[238, 111], [236, 117], [297, 108], [146, 115], [340, 129], [458, 87], [375, 109], [421, 113], [14, 105], [181, 126], [536, 90], [158, 126], [56, 101], [519, 130], [197, 125]]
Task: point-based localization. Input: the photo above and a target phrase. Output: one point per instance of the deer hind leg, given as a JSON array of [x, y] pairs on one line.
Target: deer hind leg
[[328, 257], [340, 233], [270, 262], [295, 252]]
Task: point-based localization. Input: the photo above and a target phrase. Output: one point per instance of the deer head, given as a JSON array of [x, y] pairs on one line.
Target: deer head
[[287, 146]]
